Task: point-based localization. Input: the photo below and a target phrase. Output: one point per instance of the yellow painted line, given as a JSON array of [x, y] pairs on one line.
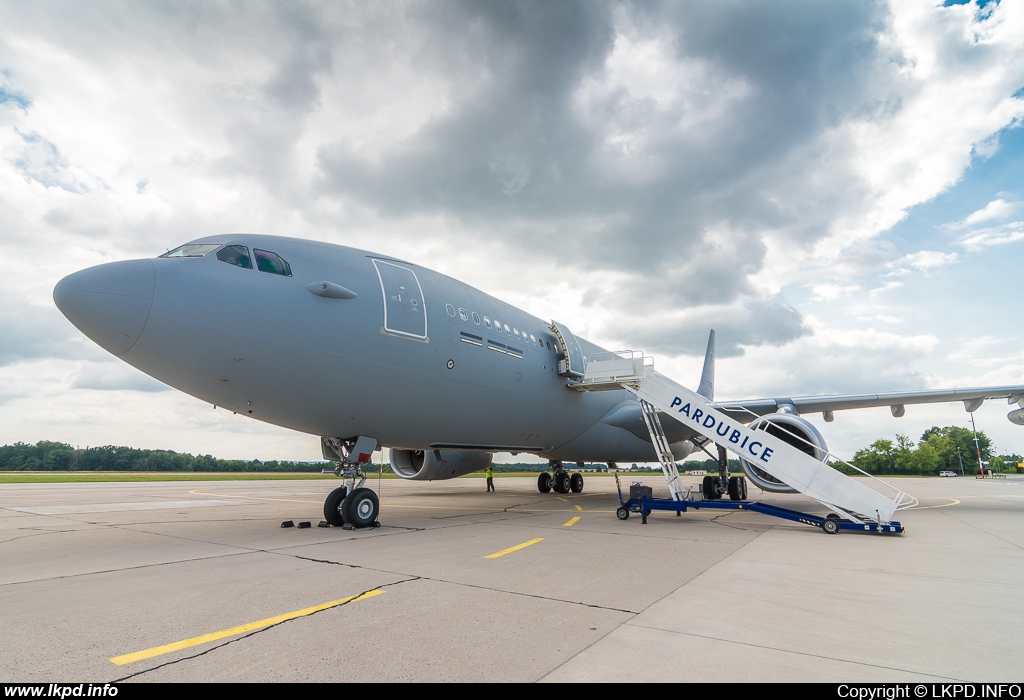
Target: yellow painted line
[[562, 499], [232, 631], [942, 505], [572, 522], [579, 508], [524, 545]]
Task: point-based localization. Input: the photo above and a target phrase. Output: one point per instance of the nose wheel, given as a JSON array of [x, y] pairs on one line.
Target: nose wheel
[[332, 506], [357, 509], [360, 508]]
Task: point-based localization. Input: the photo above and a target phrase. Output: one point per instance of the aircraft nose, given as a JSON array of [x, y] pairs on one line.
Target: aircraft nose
[[109, 303]]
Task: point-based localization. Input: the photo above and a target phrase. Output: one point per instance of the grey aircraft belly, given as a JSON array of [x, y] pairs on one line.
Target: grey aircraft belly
[[365, 350]]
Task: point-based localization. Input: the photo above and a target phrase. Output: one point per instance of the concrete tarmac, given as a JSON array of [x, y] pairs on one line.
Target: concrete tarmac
[[197, 581]]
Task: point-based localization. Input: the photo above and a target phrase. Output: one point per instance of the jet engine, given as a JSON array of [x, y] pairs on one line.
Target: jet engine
[[435, 465], [792, 430]]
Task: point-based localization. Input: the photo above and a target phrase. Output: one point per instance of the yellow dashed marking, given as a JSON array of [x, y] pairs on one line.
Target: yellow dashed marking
[[524, 545], [572, 522], [579, 508], [232, 631]]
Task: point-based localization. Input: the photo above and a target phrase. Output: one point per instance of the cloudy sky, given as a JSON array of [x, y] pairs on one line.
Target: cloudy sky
[[836, 187]]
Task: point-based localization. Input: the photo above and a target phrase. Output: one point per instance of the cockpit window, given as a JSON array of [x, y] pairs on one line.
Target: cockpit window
[[235, 255], [192, 250], [272, 263]]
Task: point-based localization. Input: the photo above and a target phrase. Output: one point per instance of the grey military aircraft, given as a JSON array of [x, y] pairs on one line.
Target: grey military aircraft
[[367, 351]]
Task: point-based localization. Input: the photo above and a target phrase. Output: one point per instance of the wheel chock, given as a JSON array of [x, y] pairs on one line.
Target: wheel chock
[[323, 523], [287, 523], [304, 524]]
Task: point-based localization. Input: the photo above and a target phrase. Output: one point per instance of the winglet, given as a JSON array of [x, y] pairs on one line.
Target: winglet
[[707, 377]]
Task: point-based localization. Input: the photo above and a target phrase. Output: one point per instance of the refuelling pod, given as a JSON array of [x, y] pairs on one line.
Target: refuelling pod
[[792, 430], [435, 465]]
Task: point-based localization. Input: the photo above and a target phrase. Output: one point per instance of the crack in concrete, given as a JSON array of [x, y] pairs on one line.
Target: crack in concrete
[[460, 584], [716, 521], [35, 532], [504, 511]]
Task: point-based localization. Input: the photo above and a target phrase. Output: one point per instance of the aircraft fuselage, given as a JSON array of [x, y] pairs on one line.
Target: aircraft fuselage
[[352, 343]]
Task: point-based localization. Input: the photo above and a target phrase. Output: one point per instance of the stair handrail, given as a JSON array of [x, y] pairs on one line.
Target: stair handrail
[[901, 498]]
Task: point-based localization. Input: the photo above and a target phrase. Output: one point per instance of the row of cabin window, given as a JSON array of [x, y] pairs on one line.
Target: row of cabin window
[[465, 316], [266, 261]]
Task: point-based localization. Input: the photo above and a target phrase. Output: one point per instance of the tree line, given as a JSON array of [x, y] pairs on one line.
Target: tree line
[[939, 449], [59, 456]]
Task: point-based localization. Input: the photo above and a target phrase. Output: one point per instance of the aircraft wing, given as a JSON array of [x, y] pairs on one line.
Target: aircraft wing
[[897, 401]]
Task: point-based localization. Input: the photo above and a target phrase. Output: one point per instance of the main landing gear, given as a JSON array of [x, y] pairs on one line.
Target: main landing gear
[[350, 505], [561, 481], [714, 487]]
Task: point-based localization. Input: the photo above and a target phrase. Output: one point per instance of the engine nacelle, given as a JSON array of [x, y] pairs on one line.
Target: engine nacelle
[[424, 465], [792, 430], [1016, 417]]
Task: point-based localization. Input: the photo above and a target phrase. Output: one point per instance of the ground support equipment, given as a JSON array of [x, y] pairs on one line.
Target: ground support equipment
[[641, 501], [814, 476]]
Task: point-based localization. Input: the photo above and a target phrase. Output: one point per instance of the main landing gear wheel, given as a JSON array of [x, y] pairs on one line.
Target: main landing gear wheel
[[361, 508], [544, 482], [830, 524], [621, 513], [737, 488], [709, 487], [332, 506], [576, 483], [561, 482]]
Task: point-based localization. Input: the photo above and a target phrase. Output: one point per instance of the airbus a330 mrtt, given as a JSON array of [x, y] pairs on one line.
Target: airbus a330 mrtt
[[366, 350]]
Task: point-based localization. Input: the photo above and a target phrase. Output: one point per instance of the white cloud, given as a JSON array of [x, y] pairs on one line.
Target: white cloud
[[1001, 235], [927, 260], [831, 292], [942, 60], [829, 359], [993, 211], [887, 287]]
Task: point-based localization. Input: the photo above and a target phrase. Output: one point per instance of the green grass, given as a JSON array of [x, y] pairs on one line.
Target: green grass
[[87, 477]]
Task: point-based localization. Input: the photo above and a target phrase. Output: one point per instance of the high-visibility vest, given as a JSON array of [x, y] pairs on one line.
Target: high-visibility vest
[[488, 473]]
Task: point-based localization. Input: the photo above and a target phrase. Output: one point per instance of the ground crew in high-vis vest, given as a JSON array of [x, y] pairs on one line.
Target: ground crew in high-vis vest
[[490, 478]]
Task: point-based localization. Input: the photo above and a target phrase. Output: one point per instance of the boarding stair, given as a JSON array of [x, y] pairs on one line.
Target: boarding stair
[[665, 456], [850, 498]]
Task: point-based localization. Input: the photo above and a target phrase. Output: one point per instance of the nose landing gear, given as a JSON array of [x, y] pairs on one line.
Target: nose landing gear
[[350, 505]]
